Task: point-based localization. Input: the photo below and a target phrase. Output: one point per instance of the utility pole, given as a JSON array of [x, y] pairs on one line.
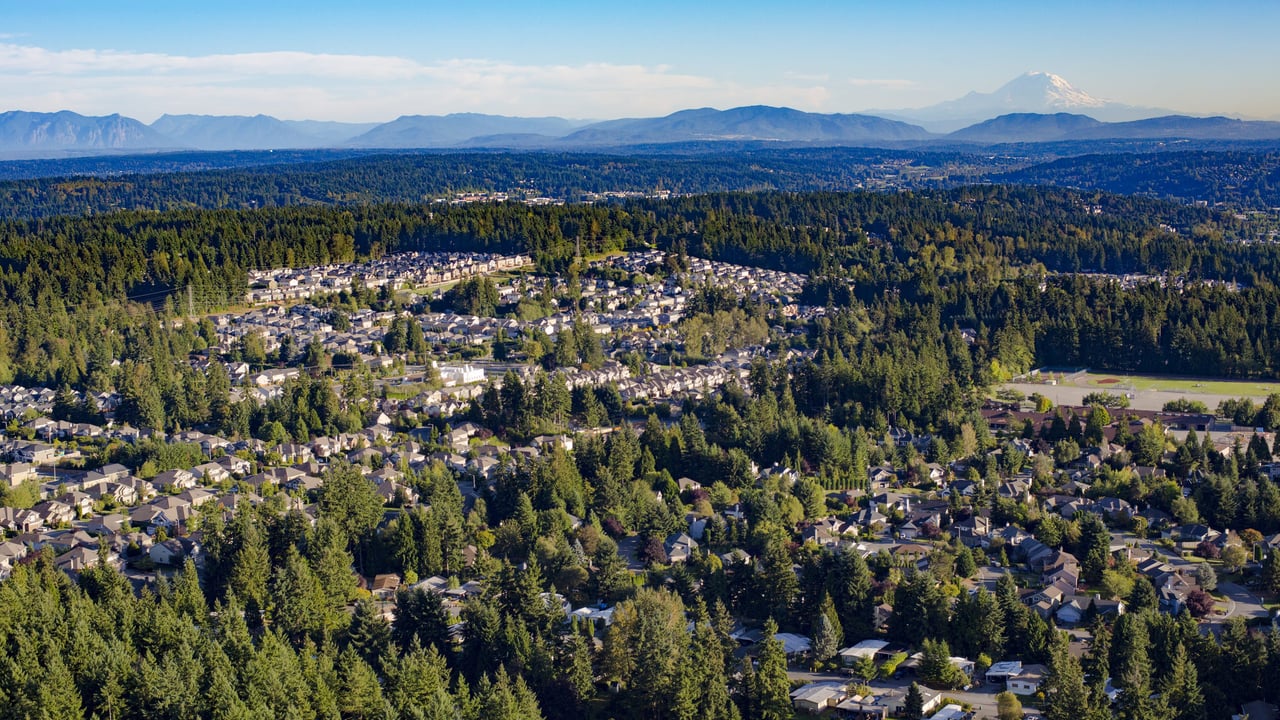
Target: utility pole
[[191, 304]]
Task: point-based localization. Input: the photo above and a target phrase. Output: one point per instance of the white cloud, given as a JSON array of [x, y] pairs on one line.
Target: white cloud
[[297, 85], [882, 83]]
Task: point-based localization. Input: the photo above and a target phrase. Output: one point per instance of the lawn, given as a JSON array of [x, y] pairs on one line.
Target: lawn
[[1117, 383]]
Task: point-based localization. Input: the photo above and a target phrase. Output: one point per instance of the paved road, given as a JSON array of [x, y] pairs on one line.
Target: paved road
[[1242, 602]]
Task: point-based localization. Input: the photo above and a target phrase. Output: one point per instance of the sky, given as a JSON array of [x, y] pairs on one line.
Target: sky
[[374, 61]]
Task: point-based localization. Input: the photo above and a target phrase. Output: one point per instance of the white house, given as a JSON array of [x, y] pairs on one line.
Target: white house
[[864, 649], [1027, 681], [1001, 672], [818, 696], [451, 375]]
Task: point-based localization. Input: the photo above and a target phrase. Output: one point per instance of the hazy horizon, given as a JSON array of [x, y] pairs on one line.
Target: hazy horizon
[[329, 61]]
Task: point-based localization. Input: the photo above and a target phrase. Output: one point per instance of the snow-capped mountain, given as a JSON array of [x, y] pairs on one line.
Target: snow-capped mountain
[[1033, 92]]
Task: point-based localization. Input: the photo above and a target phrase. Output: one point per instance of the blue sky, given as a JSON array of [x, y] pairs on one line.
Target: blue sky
[[374, 61]]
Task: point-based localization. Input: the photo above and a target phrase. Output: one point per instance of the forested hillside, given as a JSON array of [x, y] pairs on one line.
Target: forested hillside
[[91, 186], [530, 497], [1242, 179], [970, 258]]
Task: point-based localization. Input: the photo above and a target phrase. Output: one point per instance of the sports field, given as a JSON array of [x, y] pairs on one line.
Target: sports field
[[1233, 388], [1146, 392]]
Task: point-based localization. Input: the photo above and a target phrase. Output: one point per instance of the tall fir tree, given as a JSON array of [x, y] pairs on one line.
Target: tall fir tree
[[772, 688]]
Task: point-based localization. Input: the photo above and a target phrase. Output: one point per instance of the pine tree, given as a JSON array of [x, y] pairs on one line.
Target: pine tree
[[576, 668], [825, 645], [1271, 573], [369, 634], [502, 698], [645, 645], [773, 689], [57, 695], [920, 609], [1097, 662], [298, 606], [965, 566], [913, 703], [723, 623], [320, 674], [965, 630], [1065, 694], [326, 549], [935, 665], [421, 618], [352, 501], [1143, 596], [250, 566], [418, 681], [188, 598], [1095, 542], [747, 689], [849, 583], [1181, 688], [1135, 702], [359, 693], [776, 583], [707, 661], [827, 635], [1129, 659]]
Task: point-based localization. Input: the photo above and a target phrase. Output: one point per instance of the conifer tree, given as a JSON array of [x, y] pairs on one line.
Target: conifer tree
[[773, 690], [359, 692], [369, 634], [1180, 688], [1065, 693], [298, 604], [827, 635], [913, 703]]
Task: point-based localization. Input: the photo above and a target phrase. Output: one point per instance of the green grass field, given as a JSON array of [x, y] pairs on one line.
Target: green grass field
[[1236, 388]]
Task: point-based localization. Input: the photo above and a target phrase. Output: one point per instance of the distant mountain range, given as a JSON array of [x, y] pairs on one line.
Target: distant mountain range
[[1033, 108], [260, 132], [1033, 92], [1035, 128], [436, 131], [49, 134]]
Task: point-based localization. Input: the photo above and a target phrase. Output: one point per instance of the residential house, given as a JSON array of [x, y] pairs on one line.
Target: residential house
[[973, 531], [384, 586], [235, 465], [79, 502], [815, 697], [105, 524], [212, 472], [679, 547], [862, 650], [870, 518], [794, 646], [827, 532], [1028, 680], [54, 513], [999, 673], [81, 558], [20, 521], [17, 473], [175, 551], [177, 479]]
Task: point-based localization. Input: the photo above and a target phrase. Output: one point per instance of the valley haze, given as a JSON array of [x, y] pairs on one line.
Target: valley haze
[[1032, 108]]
